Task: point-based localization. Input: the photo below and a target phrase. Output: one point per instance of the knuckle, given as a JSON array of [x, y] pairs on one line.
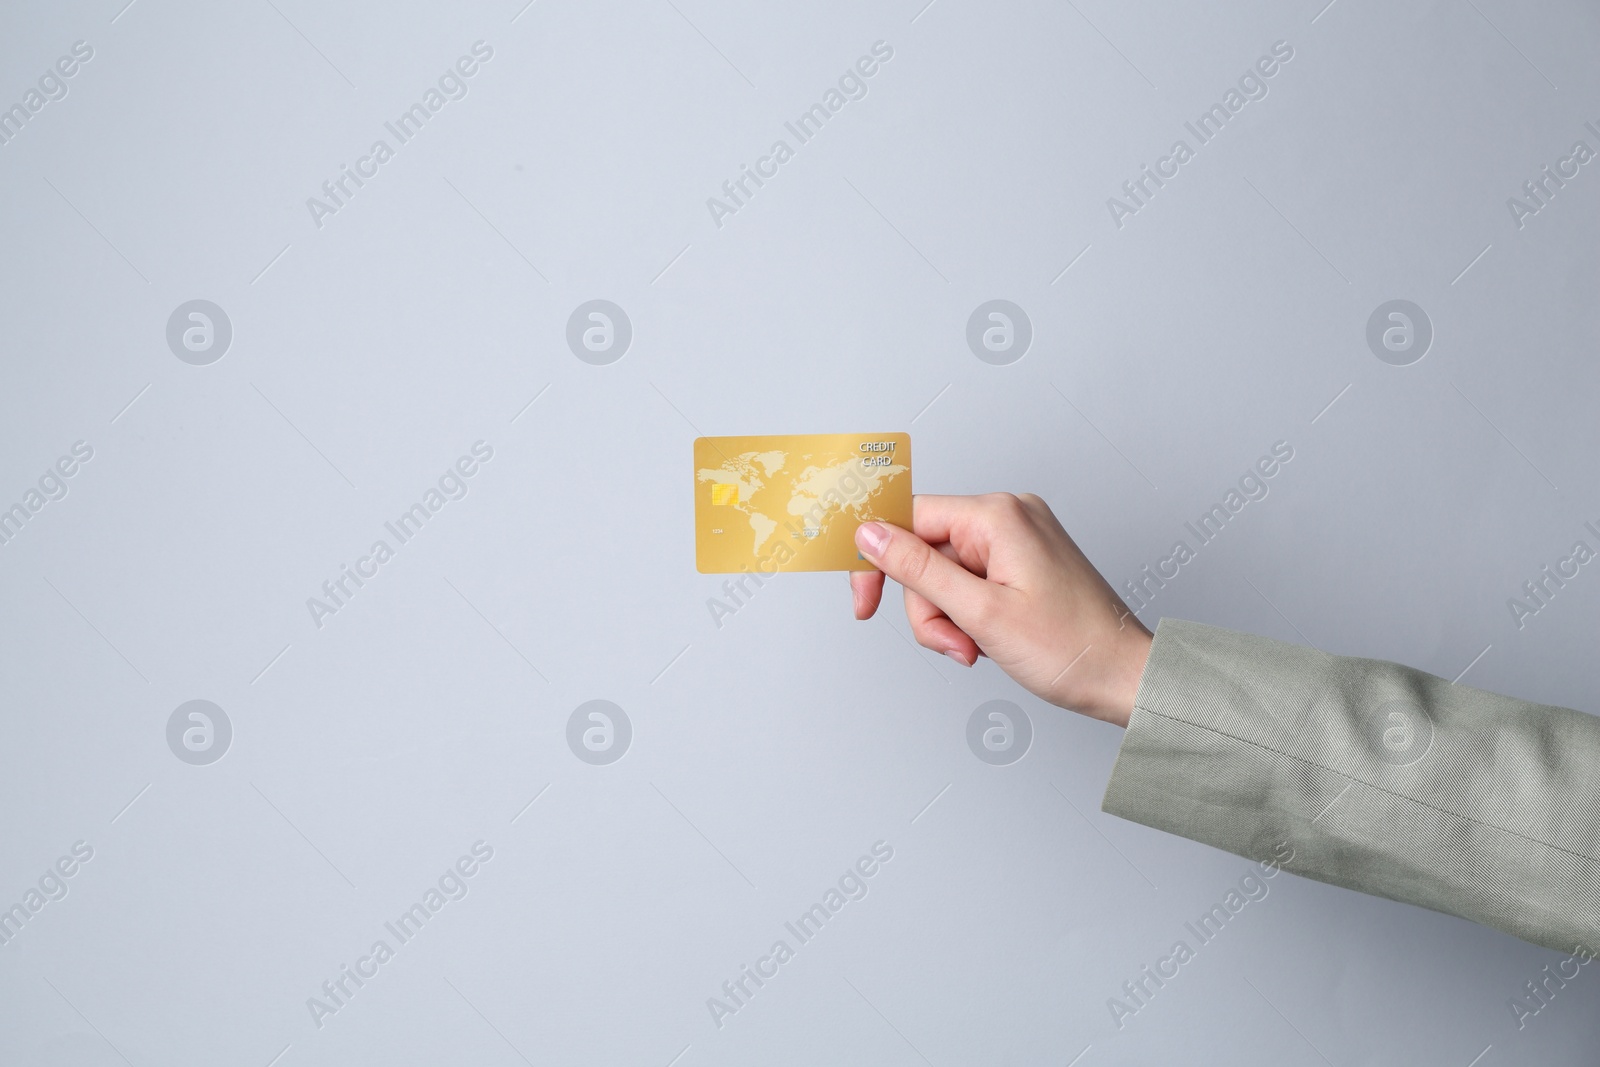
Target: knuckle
[[1009, 507], [914, 562], [992, 503], [1038, 512]]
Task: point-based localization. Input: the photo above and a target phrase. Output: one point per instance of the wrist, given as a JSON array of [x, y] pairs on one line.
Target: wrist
[[1117, 706]]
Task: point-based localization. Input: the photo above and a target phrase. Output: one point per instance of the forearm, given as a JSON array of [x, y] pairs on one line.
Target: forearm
[[1382, 778]]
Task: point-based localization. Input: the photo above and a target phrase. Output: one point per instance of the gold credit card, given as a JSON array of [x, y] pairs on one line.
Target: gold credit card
[[792, 502]]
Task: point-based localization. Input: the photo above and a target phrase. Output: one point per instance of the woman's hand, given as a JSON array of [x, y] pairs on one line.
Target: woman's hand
[[996, 575]]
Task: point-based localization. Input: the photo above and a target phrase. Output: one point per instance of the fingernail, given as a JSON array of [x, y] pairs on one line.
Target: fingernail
[[871, 537], [958, 657]]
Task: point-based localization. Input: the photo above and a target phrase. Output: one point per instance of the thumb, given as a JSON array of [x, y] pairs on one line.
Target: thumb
[[915, 564]]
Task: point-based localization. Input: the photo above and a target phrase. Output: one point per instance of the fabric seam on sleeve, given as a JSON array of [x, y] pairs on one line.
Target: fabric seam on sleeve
[[1370, 785]]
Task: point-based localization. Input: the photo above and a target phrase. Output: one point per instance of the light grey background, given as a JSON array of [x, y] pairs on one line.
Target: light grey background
[[769, 752]]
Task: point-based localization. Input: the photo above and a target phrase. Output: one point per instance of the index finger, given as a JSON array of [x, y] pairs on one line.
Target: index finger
[[963, 521], [933, 516]]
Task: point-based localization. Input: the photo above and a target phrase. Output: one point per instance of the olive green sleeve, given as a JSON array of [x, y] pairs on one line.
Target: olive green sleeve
[[1379, 777]]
